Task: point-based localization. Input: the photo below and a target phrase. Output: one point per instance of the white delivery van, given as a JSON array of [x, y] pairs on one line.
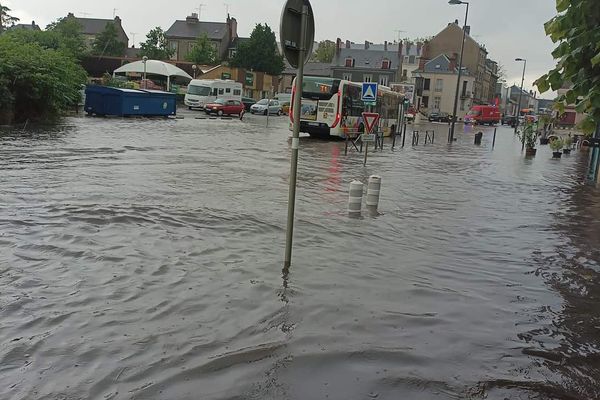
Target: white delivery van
[[204, 91]]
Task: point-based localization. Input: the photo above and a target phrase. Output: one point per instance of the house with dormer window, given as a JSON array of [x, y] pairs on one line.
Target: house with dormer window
[[368, 62]]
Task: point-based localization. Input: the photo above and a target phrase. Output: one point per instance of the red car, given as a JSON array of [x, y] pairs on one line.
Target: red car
[[225, 107]]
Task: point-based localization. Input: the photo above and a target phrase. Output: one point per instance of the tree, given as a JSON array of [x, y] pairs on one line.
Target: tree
[[108, 42], [325, 51], [69, 34], [203, 52], [575, 29], [36, 83], [6, 20], [260, 53], [156, 46]]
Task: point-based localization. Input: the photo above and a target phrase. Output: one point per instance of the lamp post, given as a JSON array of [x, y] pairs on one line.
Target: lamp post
[[462, 49], [520, 96], [194, 68], [144, 60]]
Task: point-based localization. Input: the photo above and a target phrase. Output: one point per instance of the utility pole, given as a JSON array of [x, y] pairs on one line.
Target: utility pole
[[227, 7]]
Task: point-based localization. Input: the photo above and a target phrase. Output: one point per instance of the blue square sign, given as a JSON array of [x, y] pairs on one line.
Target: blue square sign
[[369, 91]]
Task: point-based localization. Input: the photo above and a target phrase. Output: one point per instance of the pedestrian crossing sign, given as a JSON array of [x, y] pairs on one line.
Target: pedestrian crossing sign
[[369, 91]]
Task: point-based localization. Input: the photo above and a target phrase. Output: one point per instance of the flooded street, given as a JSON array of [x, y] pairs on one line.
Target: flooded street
[[142, 259]]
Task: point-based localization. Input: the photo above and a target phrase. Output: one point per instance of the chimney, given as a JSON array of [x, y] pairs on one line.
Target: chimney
[[70, 15], [232, 27], [347, 44], [192, 18], [33, 23], [366, 45], [338, 46], [385, 45], [117, 21], [456, 21], [419, 47], [468, 29], [400, 45]]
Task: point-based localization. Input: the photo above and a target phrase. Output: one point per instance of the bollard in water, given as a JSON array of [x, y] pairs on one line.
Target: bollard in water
[[478, 137], [355, 198], [373, 191]]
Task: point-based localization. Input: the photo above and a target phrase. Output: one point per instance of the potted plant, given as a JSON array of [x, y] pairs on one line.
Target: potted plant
[[546, 121], [528, 135], [568, 144], [556, 145]]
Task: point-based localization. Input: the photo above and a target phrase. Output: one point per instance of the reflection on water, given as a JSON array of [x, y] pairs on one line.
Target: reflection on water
[[142, 259]]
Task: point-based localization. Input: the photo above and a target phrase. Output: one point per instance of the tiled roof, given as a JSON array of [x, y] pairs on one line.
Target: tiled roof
[[310, 69], [369, 59], [185, 29]]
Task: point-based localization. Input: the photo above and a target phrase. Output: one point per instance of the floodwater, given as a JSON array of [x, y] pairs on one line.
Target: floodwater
[[142, 259]]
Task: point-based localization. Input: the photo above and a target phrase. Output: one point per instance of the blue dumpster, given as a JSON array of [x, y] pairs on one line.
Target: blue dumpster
[[104, 100]]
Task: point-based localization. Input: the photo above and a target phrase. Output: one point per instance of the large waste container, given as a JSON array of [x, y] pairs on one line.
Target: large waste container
[[104, 100]]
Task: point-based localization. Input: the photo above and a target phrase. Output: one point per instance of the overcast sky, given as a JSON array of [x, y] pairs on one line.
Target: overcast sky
[[508, 28]]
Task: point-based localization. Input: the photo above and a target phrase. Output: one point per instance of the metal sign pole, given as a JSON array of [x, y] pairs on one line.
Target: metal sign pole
[[295, 139]]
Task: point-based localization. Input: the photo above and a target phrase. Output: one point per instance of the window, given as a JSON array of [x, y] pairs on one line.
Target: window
[[404, 73], [439, 85], [221, 91], [174, 46], [385, 64], [425, 101], [411, 59], [436, 103], [462, 105], [347, 77], [237, 92], [383, 80], [227, 90], [426, 84], [349, 62], [367, 78], [464, 89]]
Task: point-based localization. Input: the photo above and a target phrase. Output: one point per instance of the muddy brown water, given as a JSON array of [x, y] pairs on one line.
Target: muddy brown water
[[142, 259]]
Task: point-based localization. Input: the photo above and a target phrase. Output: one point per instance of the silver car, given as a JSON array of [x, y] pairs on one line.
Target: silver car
[[274, 107]]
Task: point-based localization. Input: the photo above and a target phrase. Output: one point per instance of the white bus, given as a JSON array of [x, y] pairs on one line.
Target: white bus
[[204, 91], [333, 108]]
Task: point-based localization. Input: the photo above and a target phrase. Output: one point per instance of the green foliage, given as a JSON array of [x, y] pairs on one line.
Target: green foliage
[[260, 52], [68, 35], [6, 20], [556, 144], [568, 142], [528, 135], [37, 82], [325, 51], [108, 42], [156, 46], [203, 51], [575, 29]]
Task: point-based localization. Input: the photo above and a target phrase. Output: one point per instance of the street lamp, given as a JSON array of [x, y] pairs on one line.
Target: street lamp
[[144, 60], [520, 95], [462, 49], [194, 68]]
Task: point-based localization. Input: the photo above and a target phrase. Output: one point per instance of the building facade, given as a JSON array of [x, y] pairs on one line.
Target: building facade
[[436, 87], [182, 36], [310, 69], [449, 41], [257, 85], [367, 64]]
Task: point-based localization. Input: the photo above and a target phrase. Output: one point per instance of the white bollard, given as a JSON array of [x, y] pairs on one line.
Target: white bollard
[[373, 191], [355, 197]]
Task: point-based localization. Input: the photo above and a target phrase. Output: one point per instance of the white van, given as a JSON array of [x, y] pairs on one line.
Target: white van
[[204, 91]]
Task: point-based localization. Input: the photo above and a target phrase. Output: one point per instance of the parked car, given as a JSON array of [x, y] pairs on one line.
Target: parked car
[[274, 107], [439, 117], [225, 107], [509, 120], [410, 114], [248, 102]]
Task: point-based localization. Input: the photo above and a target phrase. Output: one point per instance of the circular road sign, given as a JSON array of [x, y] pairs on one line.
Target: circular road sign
[[289, 32]]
